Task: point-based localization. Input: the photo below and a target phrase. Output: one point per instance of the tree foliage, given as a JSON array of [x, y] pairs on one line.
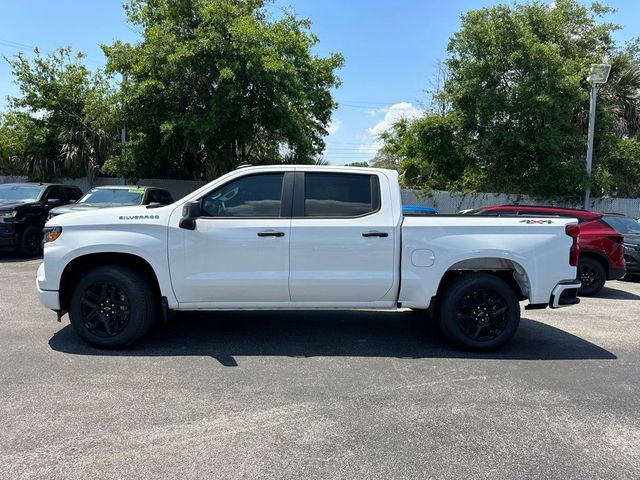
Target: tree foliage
[[516, 99], [63, 120], [214, 82]]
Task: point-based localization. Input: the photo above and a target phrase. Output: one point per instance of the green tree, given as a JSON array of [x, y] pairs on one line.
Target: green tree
[[512, 114], [432, 150], [22, 139], [66, 112], [517, 81], [215, 82], [357, 164]]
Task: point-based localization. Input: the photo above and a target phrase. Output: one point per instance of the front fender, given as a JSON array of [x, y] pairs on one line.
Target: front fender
[[149, 243]]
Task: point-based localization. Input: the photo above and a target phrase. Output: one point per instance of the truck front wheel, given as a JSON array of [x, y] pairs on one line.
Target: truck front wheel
[[112, 307], [479, 312]]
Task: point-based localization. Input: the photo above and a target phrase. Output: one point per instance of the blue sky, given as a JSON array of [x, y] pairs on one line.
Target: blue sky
[[391, 50]]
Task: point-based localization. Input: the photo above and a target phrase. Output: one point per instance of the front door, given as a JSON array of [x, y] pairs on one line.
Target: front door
[[238, 253]]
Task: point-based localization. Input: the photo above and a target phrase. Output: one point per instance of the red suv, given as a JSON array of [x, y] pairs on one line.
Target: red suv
[[601, 247]]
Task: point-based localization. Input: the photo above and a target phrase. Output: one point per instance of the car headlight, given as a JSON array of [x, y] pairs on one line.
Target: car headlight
[[51, 234], [8, 214]]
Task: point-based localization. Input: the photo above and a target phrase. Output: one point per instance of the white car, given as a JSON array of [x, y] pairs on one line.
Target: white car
[[303, 237]]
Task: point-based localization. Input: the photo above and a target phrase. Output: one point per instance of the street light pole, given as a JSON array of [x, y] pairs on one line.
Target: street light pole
[[592, 127], [598, 75]]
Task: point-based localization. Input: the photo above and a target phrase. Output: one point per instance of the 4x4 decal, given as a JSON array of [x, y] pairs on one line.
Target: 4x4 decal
[[529, 221]]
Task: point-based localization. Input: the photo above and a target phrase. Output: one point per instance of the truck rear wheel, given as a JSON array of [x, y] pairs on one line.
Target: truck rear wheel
[[112, 307], [479, 312]]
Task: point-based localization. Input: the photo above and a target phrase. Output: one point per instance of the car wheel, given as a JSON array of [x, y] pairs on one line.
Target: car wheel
[[592, 275], [479, 312], [112, 307], [30, 241]]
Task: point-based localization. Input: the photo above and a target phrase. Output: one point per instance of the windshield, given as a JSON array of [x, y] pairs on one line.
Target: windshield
[[20, 193], [623, 225], [117, 196]]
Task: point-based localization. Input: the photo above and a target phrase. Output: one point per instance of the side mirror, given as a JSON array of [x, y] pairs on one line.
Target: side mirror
[[54, 202], [190, 212]]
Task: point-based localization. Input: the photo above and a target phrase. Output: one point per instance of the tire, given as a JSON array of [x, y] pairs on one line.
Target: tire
[[479, 312], [112, 307], [30, 244], [592, 275]]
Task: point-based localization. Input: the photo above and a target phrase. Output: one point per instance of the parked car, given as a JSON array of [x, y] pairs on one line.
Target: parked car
[[116, 196], [283, 237], [601, 246], [24, 208], [629, 227], [418, 211]]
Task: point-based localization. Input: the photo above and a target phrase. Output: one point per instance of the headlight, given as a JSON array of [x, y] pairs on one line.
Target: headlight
[[8, 214], [51, 234]]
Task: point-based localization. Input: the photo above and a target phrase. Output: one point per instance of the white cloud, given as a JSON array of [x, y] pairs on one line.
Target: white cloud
[[371, 142], [334, 126]]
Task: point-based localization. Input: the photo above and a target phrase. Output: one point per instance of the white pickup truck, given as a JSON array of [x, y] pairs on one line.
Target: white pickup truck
[[302, 237]]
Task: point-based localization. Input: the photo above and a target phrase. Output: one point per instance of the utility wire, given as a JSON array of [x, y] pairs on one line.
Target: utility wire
[[30, 48]]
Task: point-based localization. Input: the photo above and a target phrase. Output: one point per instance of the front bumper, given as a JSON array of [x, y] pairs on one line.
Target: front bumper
[[565, 294], [8, 237], [48, 298], [616, 273]]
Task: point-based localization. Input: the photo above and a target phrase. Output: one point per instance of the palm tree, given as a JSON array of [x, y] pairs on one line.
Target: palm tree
[[621, 95]]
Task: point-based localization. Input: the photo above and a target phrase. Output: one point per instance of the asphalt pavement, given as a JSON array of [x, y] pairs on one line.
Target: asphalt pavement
[[320, 394]]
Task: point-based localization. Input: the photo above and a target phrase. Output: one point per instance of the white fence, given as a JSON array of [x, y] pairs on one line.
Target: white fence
[[452, 202], [444, 202]]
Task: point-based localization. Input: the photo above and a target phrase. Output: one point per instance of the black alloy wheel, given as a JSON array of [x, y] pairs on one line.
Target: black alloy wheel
[[483, 315], [31, 241], [478, 311], [592, 275], [104, 309], [112, 306]]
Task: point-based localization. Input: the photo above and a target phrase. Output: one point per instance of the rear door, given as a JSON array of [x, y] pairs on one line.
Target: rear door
[[342, 239]]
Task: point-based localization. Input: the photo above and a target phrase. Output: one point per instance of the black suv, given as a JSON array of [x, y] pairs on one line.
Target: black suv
[[629, 228], [24, 208]]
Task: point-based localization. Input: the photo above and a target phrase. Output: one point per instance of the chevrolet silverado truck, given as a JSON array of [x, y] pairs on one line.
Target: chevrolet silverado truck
[[303, 237]]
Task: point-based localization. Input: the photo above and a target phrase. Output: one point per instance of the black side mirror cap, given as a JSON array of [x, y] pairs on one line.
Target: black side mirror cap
[[190, 212]]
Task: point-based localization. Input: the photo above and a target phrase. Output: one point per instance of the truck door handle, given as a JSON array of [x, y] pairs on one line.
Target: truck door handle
[[270, 233], [375, 234]]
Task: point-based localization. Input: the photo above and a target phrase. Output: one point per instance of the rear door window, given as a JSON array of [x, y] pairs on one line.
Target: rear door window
[[55, 193], [340, 195]]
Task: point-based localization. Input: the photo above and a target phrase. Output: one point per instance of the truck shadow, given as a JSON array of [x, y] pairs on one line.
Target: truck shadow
[[616, 294], [225, 335]]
